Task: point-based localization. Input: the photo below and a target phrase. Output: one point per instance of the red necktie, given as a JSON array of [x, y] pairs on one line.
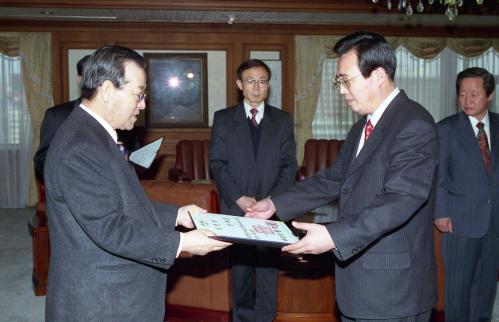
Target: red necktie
[[483, 143], [368, 130], [253, 117]]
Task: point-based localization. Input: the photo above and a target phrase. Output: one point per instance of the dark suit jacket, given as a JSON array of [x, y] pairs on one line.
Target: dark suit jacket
[[466, 192], [232, 161], [52, 120], [109, 243], [384, 233]]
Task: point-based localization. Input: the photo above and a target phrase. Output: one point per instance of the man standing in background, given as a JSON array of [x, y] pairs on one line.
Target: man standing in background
[[52, 120], [252, 156], [467, 200]]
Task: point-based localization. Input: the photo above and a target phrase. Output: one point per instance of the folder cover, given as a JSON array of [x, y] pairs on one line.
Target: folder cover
[[251, 231]]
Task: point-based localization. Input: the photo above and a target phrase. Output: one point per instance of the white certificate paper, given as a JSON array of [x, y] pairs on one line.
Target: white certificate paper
[[146, 154], [244, 230]]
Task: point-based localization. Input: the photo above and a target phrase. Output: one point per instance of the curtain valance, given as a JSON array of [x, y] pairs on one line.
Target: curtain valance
[[9, 43]]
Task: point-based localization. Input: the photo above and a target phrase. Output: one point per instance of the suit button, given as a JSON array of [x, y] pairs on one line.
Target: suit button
[[344, 191]]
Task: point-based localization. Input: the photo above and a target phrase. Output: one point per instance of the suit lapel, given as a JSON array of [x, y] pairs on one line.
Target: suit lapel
[[376, 138], [494, 139], [468, 139], [242, 132], [117, 158], [266, 136]]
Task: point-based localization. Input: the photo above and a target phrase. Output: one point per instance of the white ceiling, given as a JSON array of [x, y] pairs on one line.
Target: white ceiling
[[325, 18]]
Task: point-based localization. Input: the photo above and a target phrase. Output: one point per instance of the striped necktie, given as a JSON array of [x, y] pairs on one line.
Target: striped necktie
[[483, 143]]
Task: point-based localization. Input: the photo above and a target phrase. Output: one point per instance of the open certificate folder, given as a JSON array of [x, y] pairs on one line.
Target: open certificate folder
[[146, 154], [244, 230]]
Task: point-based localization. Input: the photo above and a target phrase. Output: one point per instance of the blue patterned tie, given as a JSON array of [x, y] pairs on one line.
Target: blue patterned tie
[[122, 149]]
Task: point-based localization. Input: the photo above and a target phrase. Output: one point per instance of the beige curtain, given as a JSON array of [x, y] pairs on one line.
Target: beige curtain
[[428, 48], [35, 51], [310, 54]]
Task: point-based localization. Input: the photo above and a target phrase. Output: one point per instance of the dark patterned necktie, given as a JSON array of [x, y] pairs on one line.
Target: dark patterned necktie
[[368, 130], [253, 117], [122, 149], [483, 143]]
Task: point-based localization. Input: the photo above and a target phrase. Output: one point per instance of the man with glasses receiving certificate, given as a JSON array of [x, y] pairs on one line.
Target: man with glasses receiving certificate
[[383, 181], [252, 156]]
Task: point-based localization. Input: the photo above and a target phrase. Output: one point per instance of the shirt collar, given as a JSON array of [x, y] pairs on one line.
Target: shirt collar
[[102, 122], [374, 118], [259, 115], [485, 120]]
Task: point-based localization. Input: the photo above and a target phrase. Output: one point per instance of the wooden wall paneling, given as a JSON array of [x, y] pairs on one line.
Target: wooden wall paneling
[[234, 44]]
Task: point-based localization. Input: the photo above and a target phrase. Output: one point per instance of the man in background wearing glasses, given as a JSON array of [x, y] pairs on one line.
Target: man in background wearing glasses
[[383, 181], [252, 156]]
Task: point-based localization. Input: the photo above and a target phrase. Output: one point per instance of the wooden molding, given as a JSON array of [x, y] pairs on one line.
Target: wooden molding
[[334, 6], [237, 29]]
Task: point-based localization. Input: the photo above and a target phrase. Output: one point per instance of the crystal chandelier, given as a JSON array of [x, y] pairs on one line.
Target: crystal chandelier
[[451, 6]]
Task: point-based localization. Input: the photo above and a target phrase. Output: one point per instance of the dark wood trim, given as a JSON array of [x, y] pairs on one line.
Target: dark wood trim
[[179, 313], [226, 5], [340, 6], [267, 29]]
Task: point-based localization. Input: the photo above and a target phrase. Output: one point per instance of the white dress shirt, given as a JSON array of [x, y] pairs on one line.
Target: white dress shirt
[[259, 115], [486, 126], [375, 117]]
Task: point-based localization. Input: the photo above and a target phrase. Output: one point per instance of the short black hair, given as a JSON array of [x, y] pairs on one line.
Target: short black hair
[[80, 64], [372, 51], [252, 63], [107, 63], [489, 82]]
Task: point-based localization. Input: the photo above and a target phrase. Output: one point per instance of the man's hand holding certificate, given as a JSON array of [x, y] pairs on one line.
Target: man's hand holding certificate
[[317, 239], [244, 230]]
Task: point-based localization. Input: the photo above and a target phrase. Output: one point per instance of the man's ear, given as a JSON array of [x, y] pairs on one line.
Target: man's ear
[[380, 75], [106, 91], [239, 84], [489, 99]]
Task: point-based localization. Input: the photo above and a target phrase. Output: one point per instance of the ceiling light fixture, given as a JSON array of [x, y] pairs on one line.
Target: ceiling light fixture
[[451, 6]]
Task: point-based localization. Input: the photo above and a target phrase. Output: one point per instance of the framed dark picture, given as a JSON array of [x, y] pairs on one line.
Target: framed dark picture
[[177, 90]]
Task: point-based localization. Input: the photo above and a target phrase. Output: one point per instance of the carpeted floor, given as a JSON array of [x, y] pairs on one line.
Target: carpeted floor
[[18, 303]]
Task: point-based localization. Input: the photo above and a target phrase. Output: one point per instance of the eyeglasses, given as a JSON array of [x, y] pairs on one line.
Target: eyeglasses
[[343, 80], [139, 95], [262, 83]]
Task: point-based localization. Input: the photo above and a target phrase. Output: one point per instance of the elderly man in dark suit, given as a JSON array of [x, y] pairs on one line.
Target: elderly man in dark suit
[[252, 156], [467, 203], [52, 120], [383, 180], [110, 245]]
